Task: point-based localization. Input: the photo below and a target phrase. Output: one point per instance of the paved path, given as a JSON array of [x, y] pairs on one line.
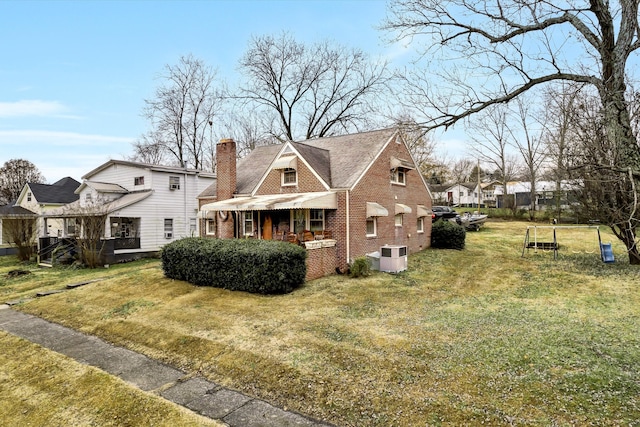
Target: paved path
[[196, 393]]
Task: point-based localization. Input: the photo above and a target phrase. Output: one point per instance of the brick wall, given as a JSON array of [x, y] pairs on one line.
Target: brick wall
[[307, 182], [320, 262], [376, 187]]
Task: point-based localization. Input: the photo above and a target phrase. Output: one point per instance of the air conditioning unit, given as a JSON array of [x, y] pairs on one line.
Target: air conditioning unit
[[174, 186], [168, 235], [393, 259]]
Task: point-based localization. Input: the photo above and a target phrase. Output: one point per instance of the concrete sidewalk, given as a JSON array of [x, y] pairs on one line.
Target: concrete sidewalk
[[201, 396]]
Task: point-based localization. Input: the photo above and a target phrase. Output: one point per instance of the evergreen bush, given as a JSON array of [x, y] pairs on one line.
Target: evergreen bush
[[250, 265], [447, 235], [360, 267]]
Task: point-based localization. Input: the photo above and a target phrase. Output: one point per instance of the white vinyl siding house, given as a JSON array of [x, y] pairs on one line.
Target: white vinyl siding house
[[139, 198]]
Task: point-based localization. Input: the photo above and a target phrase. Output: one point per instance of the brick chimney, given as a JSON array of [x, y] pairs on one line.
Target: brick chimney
[[225, 183], [225, 169]]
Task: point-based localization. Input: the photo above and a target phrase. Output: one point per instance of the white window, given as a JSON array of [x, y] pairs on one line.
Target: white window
[[248, 224], [316, 220], [168, 228], [138, 180], [398, 176], [372, 227], [289, 177], [211, 227], [29, 196], [72, 226], [420, 225], [193, 226], [398, 219], [174, 182], [88, 197]]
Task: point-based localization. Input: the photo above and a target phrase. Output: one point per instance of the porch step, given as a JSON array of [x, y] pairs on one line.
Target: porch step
[[45, 264]]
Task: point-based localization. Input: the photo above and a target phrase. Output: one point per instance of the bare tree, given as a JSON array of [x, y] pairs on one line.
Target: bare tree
[[461, 170], [497, 50], [249, 130], [21, 231], [92, 219], [421, 145], [311, 91], [184, 105], [150, 149], [492, 140], [527, 138], [14, 174], [561, 104]]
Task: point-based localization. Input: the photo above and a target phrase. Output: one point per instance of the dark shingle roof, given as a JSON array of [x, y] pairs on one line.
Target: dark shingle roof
[[60, 192], [11, 210], [350, 155], [339, 160], [251, 168], [318, 158]]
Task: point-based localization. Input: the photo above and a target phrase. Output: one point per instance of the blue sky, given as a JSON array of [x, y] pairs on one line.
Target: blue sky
[[74, 74]]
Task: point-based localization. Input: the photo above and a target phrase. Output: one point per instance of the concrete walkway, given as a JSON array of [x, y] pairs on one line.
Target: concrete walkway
[[199, 395]]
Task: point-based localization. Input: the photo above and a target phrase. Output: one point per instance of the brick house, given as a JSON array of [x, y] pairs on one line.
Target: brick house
[[342, 196]]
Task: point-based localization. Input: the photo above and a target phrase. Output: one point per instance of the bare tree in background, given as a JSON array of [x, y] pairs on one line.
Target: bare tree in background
[[249, 130], [561, 103], [311, 91], [421, 145], [150, 149], [492, 140], [184, 104], [461, 170], [527, 138], [14, 174], [497, 50]]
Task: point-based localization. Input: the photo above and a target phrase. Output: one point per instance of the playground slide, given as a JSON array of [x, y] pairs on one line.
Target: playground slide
[[606, 252]]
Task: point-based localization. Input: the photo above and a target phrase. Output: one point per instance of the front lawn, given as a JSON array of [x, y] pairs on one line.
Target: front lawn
[[465, 337]]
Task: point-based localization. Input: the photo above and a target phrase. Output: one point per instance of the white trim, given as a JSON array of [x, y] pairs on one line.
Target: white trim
[[375, 227]]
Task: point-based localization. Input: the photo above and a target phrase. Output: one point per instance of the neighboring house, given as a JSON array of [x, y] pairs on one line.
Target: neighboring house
[[35, 200], [146, 206], [547, 196], [361, 190], [43, 198], [465, 194]]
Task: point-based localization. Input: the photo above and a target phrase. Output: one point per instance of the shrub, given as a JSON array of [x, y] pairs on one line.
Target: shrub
[[447, 235], [360, 267], [258, 266]]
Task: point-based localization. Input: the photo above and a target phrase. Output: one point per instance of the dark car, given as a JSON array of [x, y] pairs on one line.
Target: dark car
[[443, 212]]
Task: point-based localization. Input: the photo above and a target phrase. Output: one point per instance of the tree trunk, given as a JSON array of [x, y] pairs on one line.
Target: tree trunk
[[628, 236]]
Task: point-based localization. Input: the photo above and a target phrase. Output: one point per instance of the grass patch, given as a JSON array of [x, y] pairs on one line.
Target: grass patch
[[40, 387], [464, 337]]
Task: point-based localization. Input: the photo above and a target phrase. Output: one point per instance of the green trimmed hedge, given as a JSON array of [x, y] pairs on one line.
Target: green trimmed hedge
[[447, 235], [250, 265]]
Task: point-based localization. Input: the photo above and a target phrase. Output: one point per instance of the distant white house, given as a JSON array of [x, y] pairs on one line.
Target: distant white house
[[546, 194], [465, 194], [147, 206]]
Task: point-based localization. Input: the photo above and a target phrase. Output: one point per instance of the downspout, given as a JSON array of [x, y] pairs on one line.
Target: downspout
[[186, 219], [348, 233]]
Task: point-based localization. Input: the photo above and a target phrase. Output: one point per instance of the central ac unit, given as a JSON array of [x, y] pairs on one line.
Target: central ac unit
[[393, 258]]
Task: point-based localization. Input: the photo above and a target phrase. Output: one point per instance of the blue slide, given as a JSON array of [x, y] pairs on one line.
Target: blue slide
[[606, 252]]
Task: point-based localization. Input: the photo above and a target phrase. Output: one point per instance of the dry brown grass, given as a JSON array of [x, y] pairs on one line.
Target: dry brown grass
[[41, 388], [463, 337]]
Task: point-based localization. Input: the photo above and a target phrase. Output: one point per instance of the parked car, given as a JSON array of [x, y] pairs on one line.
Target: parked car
[[444, 212]]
